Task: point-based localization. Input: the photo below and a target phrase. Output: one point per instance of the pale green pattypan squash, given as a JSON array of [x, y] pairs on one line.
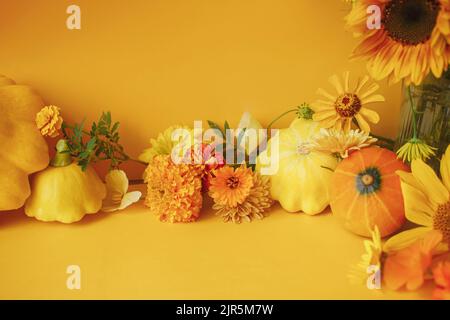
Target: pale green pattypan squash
[[300, 177], [63, 192]]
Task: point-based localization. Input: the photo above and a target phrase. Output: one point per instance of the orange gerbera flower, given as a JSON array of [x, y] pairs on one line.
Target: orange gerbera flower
[[231, 187], [413, 38], [441, 274], [408, 266]]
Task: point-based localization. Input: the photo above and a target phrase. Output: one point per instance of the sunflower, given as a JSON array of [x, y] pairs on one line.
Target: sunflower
[[427, 203], [231, 187], [413, 38], [339, 110], [341, 142]]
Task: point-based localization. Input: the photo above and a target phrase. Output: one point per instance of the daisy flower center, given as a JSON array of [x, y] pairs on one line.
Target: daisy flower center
[[441, 220], [410, 22], [347, 105], [232, 182]]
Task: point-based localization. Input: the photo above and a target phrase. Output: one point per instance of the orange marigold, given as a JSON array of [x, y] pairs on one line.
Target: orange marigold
[[49, 121], [173, 190]]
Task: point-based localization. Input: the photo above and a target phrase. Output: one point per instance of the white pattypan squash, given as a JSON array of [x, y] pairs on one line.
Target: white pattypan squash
[[302, 180]]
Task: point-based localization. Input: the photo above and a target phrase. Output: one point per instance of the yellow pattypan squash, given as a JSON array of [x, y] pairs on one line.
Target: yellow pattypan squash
[[63, 192], [24, 150], [301, 181]]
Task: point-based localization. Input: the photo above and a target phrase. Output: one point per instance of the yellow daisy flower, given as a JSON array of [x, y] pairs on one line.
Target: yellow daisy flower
[[338, 110], [415, 149], [163, 143], [427, 203], [372, 256]]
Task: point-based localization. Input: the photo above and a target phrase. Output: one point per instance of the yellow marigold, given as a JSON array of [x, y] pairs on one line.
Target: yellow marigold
[[49, 121], [173, 190], [252, 207], [231, 187]]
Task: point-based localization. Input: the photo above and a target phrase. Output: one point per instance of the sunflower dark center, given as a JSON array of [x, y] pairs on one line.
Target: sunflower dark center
[[232, 182], [368, 181], [441, 221], [347, 105], [410, 22]]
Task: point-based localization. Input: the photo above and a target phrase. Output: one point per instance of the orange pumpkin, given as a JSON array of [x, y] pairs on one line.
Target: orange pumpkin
[[365, 192]]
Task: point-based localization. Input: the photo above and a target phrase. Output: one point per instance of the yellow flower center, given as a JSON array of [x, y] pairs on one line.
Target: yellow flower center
[[304, 149], [233, 182], [410, 22], [441, 221], [347, 105]]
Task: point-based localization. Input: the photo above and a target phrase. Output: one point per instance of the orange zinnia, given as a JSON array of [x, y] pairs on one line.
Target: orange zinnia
[[231, 187], [406, 267], [413, 38]]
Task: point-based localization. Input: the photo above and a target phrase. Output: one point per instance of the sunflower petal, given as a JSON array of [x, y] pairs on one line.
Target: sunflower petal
[[445, 168], [417, 209], [405, 238], [433, 187]]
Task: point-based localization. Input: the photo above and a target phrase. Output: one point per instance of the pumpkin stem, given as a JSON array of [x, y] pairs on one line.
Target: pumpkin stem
[[62, 157]]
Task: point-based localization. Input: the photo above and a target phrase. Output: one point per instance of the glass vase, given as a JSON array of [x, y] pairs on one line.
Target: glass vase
[[431, 100]]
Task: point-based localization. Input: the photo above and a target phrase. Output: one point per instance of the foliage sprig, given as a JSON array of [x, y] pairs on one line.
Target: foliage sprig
[[101, 142]]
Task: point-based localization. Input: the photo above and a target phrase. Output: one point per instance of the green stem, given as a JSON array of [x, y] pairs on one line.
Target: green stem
[[62, 157], [414, 119], [279, 117]]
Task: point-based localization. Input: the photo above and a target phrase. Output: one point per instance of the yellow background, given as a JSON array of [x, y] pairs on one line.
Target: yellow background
[[154, 63]]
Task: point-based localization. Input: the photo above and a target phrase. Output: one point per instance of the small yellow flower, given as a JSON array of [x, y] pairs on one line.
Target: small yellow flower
[[415, 149], [338, 110], [118, 197], [341, 142], [163, 144], [49, 121], [372, 257], [427, 203]]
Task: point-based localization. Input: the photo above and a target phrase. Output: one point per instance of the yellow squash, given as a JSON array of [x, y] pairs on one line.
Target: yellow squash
[[63, 192], [23, 149], [302, 181]]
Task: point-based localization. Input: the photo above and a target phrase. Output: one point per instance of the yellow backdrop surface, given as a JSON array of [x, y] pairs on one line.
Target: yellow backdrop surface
[[154, 63]]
